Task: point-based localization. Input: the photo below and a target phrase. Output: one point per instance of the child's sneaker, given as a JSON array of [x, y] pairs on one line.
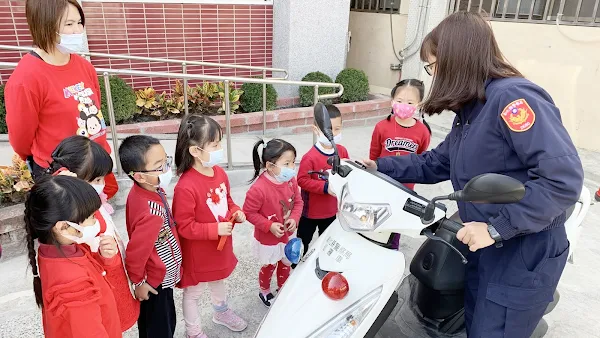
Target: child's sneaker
[[202, 335], [266, 299], [230, 320]]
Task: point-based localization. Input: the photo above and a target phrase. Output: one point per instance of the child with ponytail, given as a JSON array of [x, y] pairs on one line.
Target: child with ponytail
[[91, 163], [205, 213], [401, 133], [274, 206], [69, 280]]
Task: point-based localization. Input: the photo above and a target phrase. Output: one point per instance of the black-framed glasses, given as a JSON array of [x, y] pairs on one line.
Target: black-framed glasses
[[429, 68], [162, 169]]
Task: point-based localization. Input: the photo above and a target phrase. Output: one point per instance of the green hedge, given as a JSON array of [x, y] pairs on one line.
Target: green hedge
[[356, 85], [252, 99], [123, 98], [3, 128], [307, 94]]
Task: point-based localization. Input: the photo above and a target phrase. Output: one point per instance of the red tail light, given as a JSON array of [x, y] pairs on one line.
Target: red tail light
[[335, 286]]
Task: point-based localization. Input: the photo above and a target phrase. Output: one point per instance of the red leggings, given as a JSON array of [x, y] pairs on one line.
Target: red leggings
[[266, 272]]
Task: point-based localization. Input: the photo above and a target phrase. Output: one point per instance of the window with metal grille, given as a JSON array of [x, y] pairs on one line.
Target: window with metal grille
[[569, 12], [375, 6]]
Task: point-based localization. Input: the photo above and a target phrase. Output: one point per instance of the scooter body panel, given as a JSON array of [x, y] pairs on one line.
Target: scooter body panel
[[573, 225], [302, 297]]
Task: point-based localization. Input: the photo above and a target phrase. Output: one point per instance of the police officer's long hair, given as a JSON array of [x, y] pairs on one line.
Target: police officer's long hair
[[466, 56], [418, 84]]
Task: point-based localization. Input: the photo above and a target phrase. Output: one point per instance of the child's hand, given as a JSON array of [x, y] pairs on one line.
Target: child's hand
[[225, 228], [290, 225], [142, 292], [108, 247], [277, 229], [240, 217]]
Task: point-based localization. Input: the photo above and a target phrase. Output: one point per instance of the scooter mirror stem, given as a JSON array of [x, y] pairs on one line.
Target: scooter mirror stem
[[429, 214]]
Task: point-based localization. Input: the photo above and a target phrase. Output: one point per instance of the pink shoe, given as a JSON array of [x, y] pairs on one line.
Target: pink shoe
[[202, 335], [230, 320]]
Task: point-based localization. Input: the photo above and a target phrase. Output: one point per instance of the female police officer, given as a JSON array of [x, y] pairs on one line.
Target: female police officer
[[504, 124]]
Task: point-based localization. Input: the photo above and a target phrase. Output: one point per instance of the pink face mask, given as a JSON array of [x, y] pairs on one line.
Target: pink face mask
[[403, 110]]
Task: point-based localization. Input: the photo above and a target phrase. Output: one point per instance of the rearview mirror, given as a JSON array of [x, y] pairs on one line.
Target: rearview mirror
[[323, 120], [485, 188], [490, 189]]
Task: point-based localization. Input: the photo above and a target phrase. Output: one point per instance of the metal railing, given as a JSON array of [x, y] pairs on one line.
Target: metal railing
[[577, 13], [184, 64], [226, 80], [375, 6]]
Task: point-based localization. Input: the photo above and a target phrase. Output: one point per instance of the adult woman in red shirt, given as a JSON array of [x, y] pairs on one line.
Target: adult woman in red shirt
[[54, 93]]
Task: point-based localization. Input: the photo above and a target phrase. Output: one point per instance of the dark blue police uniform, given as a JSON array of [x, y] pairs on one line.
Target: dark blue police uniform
[[517, 132]]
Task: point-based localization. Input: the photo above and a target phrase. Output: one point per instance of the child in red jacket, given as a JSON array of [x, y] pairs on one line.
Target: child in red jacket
[[401, 133], [153, 257], [320, 203], [203, 208], [69, 281], [91, 163], [273, 205]]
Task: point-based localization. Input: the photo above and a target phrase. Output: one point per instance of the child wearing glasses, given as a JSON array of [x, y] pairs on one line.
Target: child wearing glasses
[[153, 255]]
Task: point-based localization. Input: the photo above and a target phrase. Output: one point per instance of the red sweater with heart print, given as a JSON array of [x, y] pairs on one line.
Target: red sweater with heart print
[[269, 201], [200, 202]]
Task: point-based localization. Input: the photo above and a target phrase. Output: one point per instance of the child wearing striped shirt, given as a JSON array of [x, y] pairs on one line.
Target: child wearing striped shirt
[[153, 256]]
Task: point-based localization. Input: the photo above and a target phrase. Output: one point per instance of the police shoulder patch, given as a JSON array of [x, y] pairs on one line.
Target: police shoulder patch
[[518, 116]]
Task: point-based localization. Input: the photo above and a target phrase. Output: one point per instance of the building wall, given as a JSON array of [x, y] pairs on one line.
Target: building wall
[[221, 33], [371, 47], [309, 36], [568, 69]]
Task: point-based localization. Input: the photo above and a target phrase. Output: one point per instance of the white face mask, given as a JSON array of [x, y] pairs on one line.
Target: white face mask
[[324, 141], [165, 178], [215, 158], [99, 188], [87, 233], [71, 43]]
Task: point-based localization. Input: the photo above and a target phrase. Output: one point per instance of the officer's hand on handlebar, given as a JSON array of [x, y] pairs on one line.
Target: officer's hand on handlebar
[[475, 235], [370, 164]]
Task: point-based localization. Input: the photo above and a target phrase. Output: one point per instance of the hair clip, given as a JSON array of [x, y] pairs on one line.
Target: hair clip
[[37, 275], [56, 173]]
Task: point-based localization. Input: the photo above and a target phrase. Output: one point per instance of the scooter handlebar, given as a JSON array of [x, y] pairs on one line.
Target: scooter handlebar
[[451, 225]]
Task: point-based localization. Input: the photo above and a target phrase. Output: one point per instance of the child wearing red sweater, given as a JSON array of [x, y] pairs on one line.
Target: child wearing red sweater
[[153, 256], [91, 163], [70, 281], [273, 205], [401, 133], [320, 203], [203, 208]]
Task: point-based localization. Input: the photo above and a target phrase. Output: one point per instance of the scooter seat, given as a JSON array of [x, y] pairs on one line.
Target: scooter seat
[[570, 211]]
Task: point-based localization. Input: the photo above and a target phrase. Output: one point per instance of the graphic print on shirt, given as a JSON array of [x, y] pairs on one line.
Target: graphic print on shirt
[[217, 201], [400, 144], [287, 206], [90, 120], [167, 247]]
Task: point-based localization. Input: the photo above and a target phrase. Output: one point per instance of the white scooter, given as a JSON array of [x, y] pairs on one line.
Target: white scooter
[[347, 283]]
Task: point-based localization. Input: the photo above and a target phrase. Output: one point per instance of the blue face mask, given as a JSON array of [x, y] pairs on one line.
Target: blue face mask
[[285, 175]]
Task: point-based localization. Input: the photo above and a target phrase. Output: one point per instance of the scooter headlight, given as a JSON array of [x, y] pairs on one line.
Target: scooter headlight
[[356, 216], [347, 322]]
